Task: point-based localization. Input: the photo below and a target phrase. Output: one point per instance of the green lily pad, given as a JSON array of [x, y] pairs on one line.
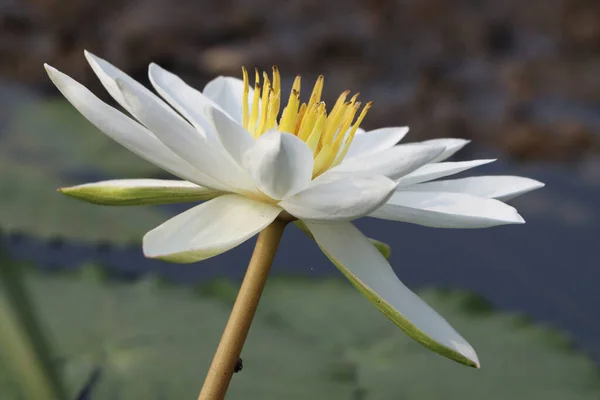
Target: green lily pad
[[310, 339], [53, 135], [520, 360], [47, 144], [30, 203], [152, 341]]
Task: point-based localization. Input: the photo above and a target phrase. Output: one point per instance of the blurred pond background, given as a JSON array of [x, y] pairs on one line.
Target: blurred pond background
[[521, 79]]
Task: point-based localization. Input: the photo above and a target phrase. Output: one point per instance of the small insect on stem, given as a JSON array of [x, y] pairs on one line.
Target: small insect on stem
[[239, 365]]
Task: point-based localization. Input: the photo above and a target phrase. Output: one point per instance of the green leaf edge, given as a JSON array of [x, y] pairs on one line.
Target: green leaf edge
[[383, 248], [398, 319], [119, 196]]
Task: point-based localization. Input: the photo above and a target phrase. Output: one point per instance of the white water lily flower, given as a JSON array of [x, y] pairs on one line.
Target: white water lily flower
[[233, 148]]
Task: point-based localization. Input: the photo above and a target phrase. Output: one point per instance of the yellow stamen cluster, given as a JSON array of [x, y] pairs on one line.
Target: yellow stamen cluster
[[328, 135]]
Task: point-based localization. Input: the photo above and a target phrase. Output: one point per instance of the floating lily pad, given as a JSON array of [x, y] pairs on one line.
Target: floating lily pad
[[47, 144], [155, 342], [53, 135], [310, 339], [519, 360], [30, 203]]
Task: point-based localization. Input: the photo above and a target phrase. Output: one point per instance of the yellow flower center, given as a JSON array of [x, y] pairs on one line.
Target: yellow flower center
[[328, 135]]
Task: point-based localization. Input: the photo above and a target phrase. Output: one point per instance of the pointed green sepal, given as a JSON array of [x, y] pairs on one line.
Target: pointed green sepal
[[131, 192]]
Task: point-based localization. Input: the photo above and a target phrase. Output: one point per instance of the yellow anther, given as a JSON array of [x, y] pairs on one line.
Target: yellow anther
[[345, 125], [322, 160], [277, 89], [329, 152], [296, 85], [299, 118], [310, 117], [266, 92], [315, 135], [290, 113], [273, 110], [327, 135], [315, 96], [359, 120], [333, 124], [336, 107], [255, 100], [276, 79], [245, 99]]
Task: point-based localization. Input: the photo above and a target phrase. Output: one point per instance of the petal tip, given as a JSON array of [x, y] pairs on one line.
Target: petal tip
[[50, 69], [474, 363], [537, 184], [519, 219], [154, 67], [89, 55]]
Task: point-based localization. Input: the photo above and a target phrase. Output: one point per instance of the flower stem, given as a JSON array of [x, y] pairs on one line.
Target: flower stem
[[229, 349]]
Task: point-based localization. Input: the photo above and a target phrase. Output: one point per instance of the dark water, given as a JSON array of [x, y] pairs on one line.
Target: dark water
[[547, 268]]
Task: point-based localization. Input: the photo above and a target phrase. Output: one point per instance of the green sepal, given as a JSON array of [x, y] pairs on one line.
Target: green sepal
[[111, 195]]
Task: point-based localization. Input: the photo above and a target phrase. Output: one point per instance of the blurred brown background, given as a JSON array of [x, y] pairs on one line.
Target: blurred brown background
[[520, 76]]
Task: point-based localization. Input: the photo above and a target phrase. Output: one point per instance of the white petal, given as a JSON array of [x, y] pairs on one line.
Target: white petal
[[451, 145], [373, 276], [125, 192], [433, 171], [447, 210], [345, 198], [191, 103], [227, 92], [202, 112], [493, 187], [108, 73], [126, 131], [280, 164], [374, 141], [183, 139], [393, 163], [209, 229], [232, 136]]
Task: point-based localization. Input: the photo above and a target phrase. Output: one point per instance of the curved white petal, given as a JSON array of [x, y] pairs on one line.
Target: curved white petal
[[447, 210], [345, 198], [227, 92], [493, 187], [374, 141], [183, 139], [433, 171], [451, 145], [191, 103], [126, 131], [232, 136], [108, 73], [209, 229], [393, 163], [125, 192], [280, 164], [372, 275]]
